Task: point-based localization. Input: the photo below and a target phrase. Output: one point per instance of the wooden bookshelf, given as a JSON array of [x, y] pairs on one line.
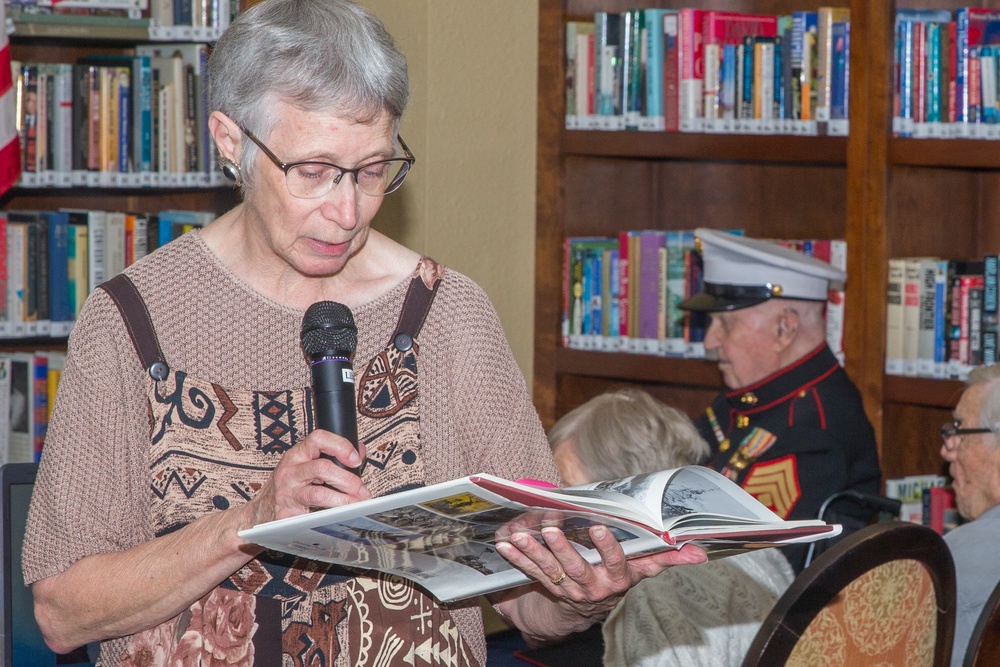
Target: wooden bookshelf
[[887, 197]]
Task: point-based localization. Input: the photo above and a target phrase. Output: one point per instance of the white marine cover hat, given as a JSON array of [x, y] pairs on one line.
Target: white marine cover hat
[[739, 272]]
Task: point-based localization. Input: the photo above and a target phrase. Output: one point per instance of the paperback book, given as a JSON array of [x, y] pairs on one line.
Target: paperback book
[[443, 537]]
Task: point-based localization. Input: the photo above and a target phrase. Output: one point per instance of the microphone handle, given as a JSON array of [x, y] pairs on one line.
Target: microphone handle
[[333, 400]]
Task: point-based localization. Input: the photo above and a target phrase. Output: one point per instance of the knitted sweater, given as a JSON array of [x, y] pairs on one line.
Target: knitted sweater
[[93, 489]]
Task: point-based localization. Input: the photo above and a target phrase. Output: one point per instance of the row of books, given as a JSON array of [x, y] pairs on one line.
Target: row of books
[[28, 384], [694, 70], [117, 121], [941, 316], [51, 260], [621, 294], [925, 499], [946, 74], [164, 20]]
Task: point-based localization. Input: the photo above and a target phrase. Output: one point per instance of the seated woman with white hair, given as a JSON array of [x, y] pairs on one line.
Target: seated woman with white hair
[[705, 614]]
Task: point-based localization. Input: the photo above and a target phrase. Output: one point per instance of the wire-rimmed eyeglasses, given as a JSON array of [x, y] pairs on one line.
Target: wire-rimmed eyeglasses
[[311, 179], [953, 431]]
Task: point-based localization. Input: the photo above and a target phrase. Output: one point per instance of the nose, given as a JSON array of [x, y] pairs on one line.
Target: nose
[[343, 200], [948, 454], [712, 341]]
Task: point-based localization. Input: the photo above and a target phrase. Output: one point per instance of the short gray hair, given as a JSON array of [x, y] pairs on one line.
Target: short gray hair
[[330, 56], [628, 432], [989, 406]]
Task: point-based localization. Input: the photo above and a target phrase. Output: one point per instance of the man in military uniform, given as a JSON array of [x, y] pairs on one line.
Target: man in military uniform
[[791, 428]]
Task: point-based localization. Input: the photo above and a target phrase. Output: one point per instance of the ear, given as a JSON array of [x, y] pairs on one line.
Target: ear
[[227, 135], [787, 328]]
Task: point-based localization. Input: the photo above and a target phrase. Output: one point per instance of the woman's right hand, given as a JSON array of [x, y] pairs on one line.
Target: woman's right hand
[[307, 478]]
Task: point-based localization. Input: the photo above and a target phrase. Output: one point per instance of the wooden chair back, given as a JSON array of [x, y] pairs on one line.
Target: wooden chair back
[[883, 595], [984, 644]]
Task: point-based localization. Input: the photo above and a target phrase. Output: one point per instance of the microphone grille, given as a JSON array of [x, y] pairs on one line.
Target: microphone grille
[[328, 329]]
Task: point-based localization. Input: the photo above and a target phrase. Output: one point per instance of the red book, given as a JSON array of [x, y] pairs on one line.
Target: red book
[[920, 72], [692, 54], [952, 69], [721, 27]]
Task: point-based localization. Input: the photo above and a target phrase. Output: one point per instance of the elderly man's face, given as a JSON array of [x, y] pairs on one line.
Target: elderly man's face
[[746, 341], [974, 459]]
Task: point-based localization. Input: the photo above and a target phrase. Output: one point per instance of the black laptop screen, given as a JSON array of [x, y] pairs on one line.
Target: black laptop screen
[[23, 645]]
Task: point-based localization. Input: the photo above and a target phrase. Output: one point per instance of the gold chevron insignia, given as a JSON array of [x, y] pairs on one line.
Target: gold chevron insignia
[[775, 484]]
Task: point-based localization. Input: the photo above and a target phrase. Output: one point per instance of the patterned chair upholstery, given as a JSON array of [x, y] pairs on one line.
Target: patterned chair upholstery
[[884, 595]]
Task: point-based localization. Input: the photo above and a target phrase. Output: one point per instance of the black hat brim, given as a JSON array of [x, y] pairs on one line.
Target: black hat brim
[[709, 303]]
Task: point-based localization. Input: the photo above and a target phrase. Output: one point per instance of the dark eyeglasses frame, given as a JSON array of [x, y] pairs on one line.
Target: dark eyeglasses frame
[[408, 158], [953, 430]]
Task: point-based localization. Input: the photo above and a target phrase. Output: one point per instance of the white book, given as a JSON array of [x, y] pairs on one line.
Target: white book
[[97, 248], [894, 317], [444, 536], [911, 314], [114, 243], [17, 240]]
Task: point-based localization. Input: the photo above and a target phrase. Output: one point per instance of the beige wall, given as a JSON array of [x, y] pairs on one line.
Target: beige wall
[[470, 200]]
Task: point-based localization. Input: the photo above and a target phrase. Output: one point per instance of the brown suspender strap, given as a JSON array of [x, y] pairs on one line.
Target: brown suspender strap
[[133, 309], [416, 305]]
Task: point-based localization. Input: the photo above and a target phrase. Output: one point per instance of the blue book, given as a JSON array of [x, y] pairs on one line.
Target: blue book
[[654, 65], [941, 316], [60, 309], [839, 72], [614, 313], [171, 224], [779, 100], [142, 113], [123, 78], [728, 78], [596, 260], [933, 50], [746, 103]]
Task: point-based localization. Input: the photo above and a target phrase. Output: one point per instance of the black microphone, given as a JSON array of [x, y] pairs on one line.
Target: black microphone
[[329, 337]]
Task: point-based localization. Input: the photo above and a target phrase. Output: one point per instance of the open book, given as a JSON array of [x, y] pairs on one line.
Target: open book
[[443, 536]]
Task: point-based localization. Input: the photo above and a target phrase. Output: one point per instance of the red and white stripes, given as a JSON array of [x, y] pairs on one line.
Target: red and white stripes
[[10, 149]]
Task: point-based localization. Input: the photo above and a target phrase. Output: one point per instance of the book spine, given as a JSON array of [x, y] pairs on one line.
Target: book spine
[[990, 323], [933, 73], [894, 317], [919, 72], [671, 72], [625, 286], [39, 403], [655, 63], [925, 342], [840, 70], [941, 311], [826, 17], [911, 315], [692, 63]]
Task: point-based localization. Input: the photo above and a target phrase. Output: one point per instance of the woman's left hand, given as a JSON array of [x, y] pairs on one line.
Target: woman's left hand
[[591, 591]]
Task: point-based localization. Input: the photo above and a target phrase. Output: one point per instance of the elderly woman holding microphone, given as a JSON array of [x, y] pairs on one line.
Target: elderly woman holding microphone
[[184, 410]]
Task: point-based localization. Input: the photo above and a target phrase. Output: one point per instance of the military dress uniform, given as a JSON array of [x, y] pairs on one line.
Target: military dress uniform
[[794, 439], [800, 435]]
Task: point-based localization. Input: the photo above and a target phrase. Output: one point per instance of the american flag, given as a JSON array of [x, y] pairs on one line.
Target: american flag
[[10, 148]]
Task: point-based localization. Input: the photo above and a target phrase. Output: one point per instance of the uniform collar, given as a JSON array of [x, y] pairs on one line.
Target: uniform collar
[[785, 384]]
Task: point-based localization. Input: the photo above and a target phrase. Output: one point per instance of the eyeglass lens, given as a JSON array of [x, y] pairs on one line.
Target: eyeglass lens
[[311, 180]]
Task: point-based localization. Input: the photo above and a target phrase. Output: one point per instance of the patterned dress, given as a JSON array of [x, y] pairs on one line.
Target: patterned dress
[[212, 436]]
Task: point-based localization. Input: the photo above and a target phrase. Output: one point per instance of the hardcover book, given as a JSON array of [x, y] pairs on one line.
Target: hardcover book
[[443, 537]]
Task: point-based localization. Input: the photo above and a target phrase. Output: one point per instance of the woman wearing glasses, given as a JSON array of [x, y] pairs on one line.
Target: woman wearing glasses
[[174, 431]]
